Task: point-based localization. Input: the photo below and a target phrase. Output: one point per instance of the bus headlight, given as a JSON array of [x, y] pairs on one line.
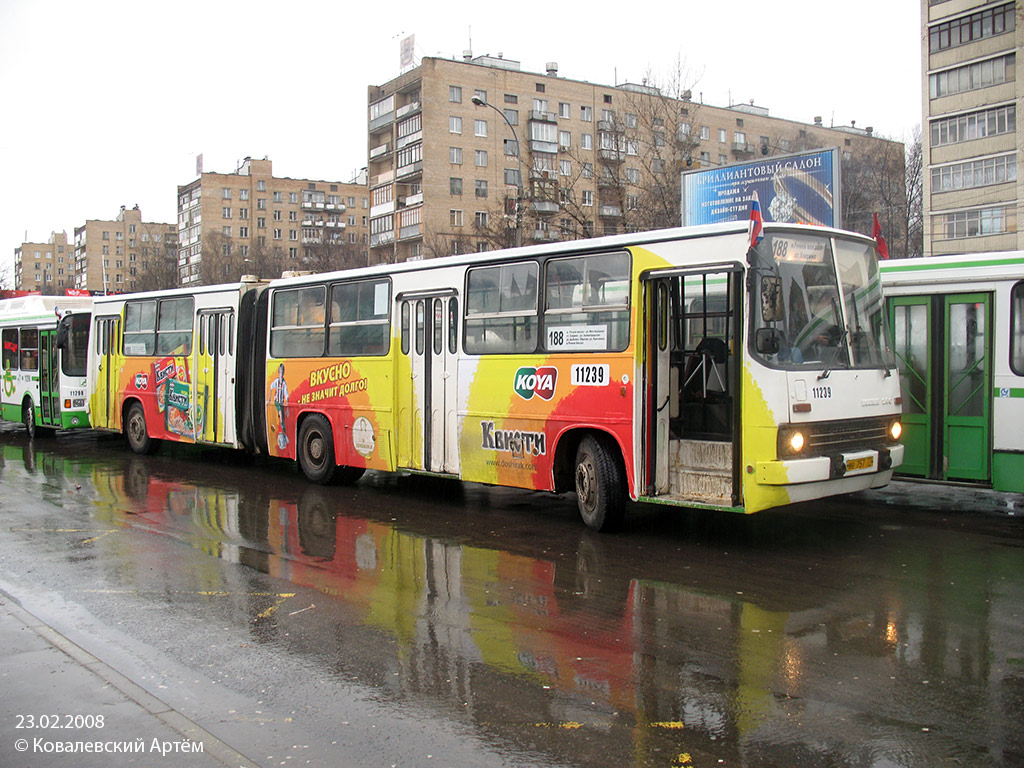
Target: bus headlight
[[791, 441], [895, 430]]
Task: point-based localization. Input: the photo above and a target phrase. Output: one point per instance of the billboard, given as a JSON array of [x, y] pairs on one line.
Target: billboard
[[801, 188]]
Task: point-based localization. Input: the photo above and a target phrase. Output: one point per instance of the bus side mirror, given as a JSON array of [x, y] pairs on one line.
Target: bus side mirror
[[62, 334], [771, 298], [767, 341]]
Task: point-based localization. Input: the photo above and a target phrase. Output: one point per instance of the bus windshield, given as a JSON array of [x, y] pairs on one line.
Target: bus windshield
[[75, 353], [818, 303]]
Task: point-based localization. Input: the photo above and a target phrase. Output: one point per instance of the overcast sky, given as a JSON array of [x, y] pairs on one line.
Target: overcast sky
[[107, 103]]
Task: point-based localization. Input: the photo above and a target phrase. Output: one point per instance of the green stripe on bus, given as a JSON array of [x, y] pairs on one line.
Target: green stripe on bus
[[1008, 392], [925, 266]]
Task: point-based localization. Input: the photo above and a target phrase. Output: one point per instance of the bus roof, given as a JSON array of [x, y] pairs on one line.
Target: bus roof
[[565, 247], [41, 306], [954, 268]]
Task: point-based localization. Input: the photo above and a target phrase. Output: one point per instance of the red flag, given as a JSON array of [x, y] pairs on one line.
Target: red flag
[[876, 232]]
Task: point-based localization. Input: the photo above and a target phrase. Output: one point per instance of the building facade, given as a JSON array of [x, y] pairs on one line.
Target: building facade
[[122, 254], [252, 222], [45, 267], [475, 154], [972, 137]]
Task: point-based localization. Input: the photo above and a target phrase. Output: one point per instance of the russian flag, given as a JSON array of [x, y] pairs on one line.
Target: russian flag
[[756, 222]]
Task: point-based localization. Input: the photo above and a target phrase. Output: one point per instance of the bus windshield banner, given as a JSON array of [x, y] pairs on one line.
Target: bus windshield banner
[[794, 189]]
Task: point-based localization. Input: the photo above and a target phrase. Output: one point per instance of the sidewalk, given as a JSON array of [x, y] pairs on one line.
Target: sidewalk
[[49, 685], [924, 494]]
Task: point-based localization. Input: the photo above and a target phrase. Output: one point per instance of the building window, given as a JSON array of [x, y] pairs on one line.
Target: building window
[[481, 187], [480, 157], [587, 170], [587, 197], [511, 148], [455, 155], [721, 136], [967, 29], [454, 186], [564, 109], [512, 115], [481, 220], [586, 141], [480, 128], [455, 218], [455, 94], [225, 193], [587, 114], [225, 213], [565, 167], [977, 222], [974, 173], [974, 125], [633, 175], [454, 124], [512, 177]]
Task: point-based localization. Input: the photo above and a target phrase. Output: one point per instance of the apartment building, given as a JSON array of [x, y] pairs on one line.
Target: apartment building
[[252, 222], [972, 138], [45, 267], [473, 154], [122, 254]]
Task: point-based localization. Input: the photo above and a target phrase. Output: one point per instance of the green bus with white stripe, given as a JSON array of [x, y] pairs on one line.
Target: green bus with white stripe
[[958, 327], [45, 346]]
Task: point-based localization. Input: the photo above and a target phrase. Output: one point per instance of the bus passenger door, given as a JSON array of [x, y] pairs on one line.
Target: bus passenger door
[[427, 438], [213, 402], [49, 379], [104, 376], [692, 384]]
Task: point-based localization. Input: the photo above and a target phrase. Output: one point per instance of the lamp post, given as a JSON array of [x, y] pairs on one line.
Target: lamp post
[[519, 157]]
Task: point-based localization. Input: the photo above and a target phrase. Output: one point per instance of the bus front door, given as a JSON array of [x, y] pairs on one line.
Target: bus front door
[[49, 379], [427, 438], [691, 388]]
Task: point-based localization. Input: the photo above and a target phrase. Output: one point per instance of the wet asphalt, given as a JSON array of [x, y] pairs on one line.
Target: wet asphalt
[[201, 596]]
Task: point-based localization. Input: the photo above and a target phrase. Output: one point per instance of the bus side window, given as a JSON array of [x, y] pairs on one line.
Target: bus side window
[[29, 349], [405, 327], [10, 351]]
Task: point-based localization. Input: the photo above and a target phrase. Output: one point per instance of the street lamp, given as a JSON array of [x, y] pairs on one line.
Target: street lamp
[[519, 157]]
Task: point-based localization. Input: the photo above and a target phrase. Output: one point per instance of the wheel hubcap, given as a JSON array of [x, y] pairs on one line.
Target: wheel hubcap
[[585, 483]]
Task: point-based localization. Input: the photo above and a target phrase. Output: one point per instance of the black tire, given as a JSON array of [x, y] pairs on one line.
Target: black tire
[[600, 485], [315, 450], [135, 431], [28, 418]]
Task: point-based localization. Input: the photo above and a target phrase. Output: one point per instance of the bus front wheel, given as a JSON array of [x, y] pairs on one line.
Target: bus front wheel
[[316, 449], [136, 433], [28, 418], [600, 486]]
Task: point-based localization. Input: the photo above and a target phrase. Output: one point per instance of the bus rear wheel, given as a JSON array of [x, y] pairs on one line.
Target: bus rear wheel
[[316, 449], [600, 485], [136, 433]]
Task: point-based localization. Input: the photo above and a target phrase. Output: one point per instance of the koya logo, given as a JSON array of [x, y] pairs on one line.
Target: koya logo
[[141, 381], [531, 381]]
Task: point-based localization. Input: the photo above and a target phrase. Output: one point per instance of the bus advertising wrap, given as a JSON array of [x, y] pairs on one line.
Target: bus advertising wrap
[[800, 189]]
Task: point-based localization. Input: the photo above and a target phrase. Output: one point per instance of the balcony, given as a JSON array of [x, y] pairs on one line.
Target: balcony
[[544, 206], [412, 138], [543, 235], [413, 230], [742, 148], [381, 209], [609, 211], [382, 238], [410, 170], [336, 224], [611, 155], [339, 207], [380, 122], [544, 146], [409, 109], [382, 178], [608, 126], [410, 200], [543, 117], [380, 151]]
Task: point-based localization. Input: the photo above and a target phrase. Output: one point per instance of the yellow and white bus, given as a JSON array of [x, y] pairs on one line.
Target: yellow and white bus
[[673, 366], [45, 342]]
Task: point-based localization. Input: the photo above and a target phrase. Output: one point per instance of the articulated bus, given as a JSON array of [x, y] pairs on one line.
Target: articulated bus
[[674, 366], [45, 341], [958, 324]]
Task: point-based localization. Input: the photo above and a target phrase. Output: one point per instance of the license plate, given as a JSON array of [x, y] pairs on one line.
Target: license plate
[[867, 462]]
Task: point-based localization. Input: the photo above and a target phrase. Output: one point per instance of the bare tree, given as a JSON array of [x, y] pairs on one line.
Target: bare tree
[[157, 269], [331, 253], [914, 246]]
